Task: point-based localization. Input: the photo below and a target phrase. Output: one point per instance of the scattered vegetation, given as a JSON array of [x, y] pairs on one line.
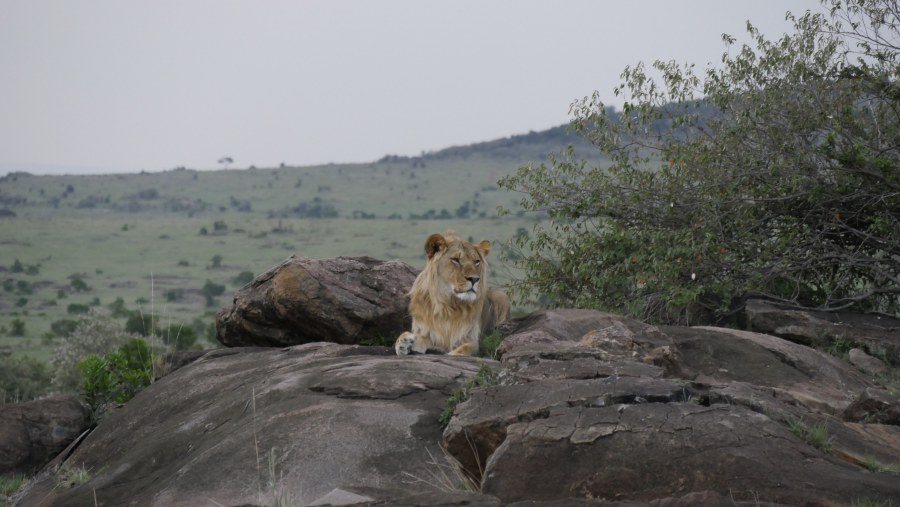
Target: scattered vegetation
[[873, 465]]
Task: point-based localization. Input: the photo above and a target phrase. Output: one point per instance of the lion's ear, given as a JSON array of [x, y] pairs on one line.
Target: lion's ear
[[434, 244], [484, 247]]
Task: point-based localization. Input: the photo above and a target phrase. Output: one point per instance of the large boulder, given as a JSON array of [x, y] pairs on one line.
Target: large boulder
[[34, 432], [595, 406], [252, 426], [348, 299]]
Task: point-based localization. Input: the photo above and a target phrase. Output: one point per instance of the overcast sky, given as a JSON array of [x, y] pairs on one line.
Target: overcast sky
[[123, 86]]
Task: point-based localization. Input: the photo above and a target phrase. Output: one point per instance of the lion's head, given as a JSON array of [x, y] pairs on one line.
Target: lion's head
[[458, 268]]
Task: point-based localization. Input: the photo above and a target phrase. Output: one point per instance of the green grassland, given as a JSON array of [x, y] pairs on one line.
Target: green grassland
[[155, 239]]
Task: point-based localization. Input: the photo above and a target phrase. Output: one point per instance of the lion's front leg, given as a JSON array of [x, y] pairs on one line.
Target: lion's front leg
[[409, 343]]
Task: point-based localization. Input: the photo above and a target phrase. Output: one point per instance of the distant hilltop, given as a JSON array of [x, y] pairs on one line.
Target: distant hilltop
[[520, 148]]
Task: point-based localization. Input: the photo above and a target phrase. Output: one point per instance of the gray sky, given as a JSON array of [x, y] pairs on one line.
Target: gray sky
[[123, 86]]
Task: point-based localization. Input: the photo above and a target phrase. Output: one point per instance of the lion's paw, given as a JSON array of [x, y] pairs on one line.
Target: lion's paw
[[405, 343]]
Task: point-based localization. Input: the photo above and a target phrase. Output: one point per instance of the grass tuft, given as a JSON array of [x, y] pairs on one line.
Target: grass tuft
[[816, 436], [9, 484], [486, 376], [443, 475], [490, 344], [70, 476]]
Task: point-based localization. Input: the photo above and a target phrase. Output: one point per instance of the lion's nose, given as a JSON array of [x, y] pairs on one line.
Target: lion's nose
[[473, 279]]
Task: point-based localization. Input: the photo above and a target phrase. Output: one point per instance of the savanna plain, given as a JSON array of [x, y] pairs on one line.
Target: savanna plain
[[168, 249]]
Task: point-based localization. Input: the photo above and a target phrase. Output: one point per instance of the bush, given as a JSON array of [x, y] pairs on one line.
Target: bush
[[118, 310], [79, 285], [24, 287], [17, 328], [77, 309], [774, 176], [179, 336], [63, 327], [22, 378], [211, 291], [94, 334], [117, 376], [243, 278], [142, 324]]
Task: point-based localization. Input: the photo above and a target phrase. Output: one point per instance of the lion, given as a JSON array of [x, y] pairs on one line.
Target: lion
[[450, 302]]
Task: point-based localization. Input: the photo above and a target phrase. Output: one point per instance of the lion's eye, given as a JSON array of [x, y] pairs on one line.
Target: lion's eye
[[477, 262], [455, 261]]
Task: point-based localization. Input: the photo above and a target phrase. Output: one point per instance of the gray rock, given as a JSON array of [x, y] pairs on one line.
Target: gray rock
[[874, 406], [238, 424], [878, 334], [34, 432], [347, 300], [865, 362], [627, 412]]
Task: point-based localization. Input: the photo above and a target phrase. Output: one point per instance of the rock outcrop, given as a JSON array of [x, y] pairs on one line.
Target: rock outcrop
[[878, 335], [584, 408], [594, 406], [34, 432], [244, 426], [348, 300]]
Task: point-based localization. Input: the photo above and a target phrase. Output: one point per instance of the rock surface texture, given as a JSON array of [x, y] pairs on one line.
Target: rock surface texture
[[34, 432], [877, 335], [585, 408], [348, 300], [251, 426]]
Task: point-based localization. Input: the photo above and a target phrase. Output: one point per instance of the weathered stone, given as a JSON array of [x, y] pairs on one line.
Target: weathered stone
[[310, 419], [347, 300], [805, 376], [874, 406], [591, 416], [654, 450], [865, 362], [878, 334], [32, 433]]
